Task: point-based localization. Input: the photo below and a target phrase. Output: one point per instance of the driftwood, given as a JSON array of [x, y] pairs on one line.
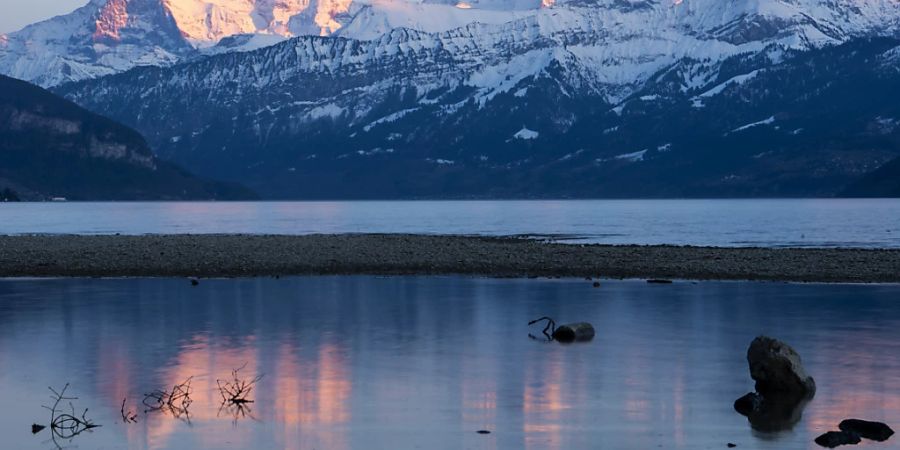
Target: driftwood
[[571, 332]]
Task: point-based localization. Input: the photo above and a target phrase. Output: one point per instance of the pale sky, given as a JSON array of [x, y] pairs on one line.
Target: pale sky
[[18, 13]]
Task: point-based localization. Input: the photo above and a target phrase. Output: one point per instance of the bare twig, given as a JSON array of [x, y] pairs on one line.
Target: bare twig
[[237, 390], [551, 326], [66, 425], [127, 416], [175, 402]]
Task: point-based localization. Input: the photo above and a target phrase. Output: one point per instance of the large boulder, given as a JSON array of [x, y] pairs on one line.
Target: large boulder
[[777, 369]]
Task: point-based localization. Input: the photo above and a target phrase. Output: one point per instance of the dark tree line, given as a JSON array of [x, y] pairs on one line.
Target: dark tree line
[[9, 195]]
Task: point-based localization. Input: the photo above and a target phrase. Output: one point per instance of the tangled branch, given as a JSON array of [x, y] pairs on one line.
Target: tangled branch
[[175, 402], [66, 425], [237, 390]]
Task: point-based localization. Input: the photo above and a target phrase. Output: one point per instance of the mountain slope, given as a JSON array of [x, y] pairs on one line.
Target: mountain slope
[[50, 147], [407, 117], [882, 182]]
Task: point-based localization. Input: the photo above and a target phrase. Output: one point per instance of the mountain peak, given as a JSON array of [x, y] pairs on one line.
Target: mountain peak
[[110, 36], [112, 17]]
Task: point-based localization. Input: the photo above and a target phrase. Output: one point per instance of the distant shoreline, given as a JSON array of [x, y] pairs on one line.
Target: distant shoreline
[[399, 254]]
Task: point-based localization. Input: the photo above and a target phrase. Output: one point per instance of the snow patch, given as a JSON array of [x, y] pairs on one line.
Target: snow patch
[[526, 134], [633, 157], [374, 151], [441, 162], [768, 121], [733, 81], [330, 110]]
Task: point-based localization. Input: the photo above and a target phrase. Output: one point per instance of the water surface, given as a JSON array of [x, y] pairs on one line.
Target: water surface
[[425, 362], [768, 223]]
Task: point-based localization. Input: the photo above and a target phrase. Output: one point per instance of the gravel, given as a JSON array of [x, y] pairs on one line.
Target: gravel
[[396, 254]]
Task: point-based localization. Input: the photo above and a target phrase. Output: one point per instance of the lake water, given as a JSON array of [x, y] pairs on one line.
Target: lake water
[[773, 223], [425, 362]]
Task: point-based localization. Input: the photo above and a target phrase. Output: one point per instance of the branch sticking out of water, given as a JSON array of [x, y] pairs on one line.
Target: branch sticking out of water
[[236, 395], [175, 402], [127, 416], [551, 327], [237, 390], [67, 425]]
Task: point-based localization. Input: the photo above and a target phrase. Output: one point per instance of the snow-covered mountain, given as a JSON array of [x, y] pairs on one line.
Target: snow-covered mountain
[[410, 114], [110, 36], [504, 96]]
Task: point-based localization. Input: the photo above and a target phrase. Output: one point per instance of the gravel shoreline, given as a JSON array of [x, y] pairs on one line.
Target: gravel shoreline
[[256, 255]]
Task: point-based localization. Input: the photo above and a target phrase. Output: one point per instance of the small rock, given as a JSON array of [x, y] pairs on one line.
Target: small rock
[[777, 369], [875, 431], [732, 445], [596, 284], [194, 282], [35, 428], [483, 432], [659, 281], [833, 439]]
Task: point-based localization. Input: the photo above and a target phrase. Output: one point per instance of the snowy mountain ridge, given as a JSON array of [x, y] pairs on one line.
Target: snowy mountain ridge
[[111, 36]]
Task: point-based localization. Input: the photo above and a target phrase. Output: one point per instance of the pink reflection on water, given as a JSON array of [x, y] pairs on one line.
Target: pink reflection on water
[[304, 397], [543, 405], [206, 363]]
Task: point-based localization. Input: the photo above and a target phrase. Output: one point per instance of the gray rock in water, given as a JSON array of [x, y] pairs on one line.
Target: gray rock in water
[[875, 431], [833, 439], [572, 332], [777, 369]]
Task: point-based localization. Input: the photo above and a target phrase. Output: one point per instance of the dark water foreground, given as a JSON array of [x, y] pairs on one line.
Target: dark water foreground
[[425, 362]]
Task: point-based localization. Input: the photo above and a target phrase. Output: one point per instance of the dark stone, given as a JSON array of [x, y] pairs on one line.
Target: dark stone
[[747, 404], [35, 428], [771, 414], [833, 439], [777, 369], [483, 432], [596, 284], [732, 445], [194, 282], [572, 332], [875, 431], [659, 281]]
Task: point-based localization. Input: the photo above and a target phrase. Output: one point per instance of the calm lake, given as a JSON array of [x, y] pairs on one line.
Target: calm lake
[[424, 362], [771, 223]]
